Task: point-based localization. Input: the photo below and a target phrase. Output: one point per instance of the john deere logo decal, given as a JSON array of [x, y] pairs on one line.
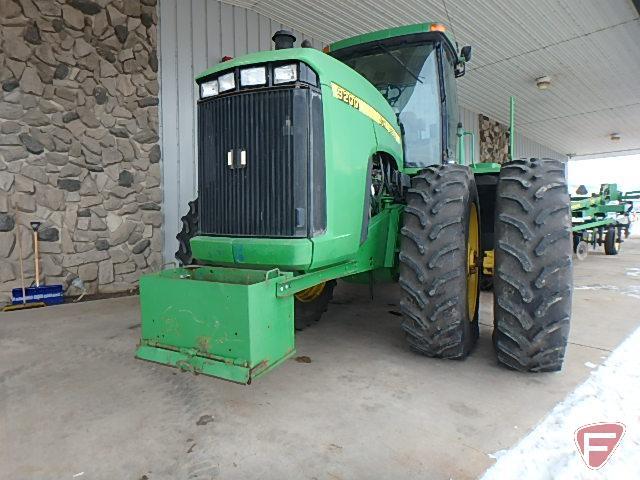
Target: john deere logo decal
[[350, 99]]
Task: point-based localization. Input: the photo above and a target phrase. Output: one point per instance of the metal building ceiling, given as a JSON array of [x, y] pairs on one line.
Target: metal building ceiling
[[590, 49]]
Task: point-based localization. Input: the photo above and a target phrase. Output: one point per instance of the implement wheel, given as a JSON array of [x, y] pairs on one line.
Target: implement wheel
[[533, 282], [611, 241], [311, 303], [577, 238], [440, 262], [582, 250]]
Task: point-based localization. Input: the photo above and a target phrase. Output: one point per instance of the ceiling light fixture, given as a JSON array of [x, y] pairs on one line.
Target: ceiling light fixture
[[543, 83]]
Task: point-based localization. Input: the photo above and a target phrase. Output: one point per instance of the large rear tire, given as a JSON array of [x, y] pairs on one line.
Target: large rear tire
[[440, 262], [533, 274], [486, 282]]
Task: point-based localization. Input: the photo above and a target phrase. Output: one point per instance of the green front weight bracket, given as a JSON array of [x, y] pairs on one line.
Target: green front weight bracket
[[223, 322]]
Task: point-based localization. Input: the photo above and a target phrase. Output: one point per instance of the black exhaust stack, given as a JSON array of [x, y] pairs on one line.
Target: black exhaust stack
[[283, 39]]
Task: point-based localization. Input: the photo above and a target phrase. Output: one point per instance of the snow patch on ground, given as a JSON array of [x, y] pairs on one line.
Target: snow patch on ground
[[498, 454], [633, 271], [596, 286], [632, 291], [611, 394]]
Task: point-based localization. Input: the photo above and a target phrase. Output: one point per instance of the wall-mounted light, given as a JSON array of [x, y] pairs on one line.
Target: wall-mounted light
[[543, 83], [615, 137]]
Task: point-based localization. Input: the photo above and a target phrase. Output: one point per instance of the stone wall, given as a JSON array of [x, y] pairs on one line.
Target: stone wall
[[79, 141], [494, 140]]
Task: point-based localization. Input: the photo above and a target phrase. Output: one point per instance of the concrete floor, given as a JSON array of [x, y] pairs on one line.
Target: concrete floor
[[75, 403]]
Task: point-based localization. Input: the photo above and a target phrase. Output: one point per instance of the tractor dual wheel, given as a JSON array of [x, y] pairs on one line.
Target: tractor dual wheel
[[310, 304], [533, 265], [486, 282], [440, 262], [188, 231]]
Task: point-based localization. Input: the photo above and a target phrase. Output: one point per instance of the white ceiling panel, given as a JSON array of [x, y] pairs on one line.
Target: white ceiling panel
[[590, 48]]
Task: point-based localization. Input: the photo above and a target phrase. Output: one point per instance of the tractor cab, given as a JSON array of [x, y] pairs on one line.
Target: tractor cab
[[414, 68]]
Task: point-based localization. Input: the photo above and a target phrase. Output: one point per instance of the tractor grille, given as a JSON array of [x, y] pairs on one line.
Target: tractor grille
[[258, 154]]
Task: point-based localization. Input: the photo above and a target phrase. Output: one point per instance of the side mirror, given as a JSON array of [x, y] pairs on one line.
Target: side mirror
[[466, 53]]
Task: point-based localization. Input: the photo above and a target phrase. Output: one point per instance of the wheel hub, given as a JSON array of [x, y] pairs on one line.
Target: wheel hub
[[473, 264]]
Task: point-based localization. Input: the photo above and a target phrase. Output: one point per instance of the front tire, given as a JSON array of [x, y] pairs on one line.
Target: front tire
[[440, 262], [310, 304], [189, 230], [533, 275]]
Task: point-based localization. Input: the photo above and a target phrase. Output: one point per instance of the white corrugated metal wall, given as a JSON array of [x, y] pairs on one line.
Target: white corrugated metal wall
[[195, 34], [526, 147], [470, 123], [588, 47]]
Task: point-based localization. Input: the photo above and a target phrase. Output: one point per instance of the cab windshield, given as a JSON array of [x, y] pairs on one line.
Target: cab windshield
[[407, 76]]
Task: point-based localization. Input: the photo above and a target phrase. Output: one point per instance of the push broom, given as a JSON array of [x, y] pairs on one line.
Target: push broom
[[24, 305], [37, 295]]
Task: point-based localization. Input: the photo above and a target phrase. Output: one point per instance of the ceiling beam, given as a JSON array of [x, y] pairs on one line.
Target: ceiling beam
[[610, 153]]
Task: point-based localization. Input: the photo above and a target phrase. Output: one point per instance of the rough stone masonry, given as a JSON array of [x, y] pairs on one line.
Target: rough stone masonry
[[494, 140], [79, 142]]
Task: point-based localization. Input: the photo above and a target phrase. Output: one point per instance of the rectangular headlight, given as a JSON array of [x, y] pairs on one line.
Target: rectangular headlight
[[227, 82], [285, 73], [253, 76], [209, 89]]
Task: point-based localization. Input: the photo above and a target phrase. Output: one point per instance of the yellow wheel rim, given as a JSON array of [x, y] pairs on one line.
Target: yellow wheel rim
[[473, 267], [311, 293]]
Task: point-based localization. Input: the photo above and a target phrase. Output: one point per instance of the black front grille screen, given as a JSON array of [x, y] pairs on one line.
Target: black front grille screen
[[255, 163]]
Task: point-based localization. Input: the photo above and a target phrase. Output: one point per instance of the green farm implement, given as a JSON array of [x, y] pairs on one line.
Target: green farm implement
[[349, 164], [602, 219]]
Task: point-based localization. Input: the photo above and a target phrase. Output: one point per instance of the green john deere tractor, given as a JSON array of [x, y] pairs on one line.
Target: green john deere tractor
[[349, 164]]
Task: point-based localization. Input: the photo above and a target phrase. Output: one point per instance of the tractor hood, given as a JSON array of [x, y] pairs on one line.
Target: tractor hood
[[285, 166], [345, 84]]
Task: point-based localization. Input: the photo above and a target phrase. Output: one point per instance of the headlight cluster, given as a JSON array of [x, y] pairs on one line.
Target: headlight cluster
[[222, 84], [209, 89], [250, 77], [285, 74], [256, 76], [227, 82]]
